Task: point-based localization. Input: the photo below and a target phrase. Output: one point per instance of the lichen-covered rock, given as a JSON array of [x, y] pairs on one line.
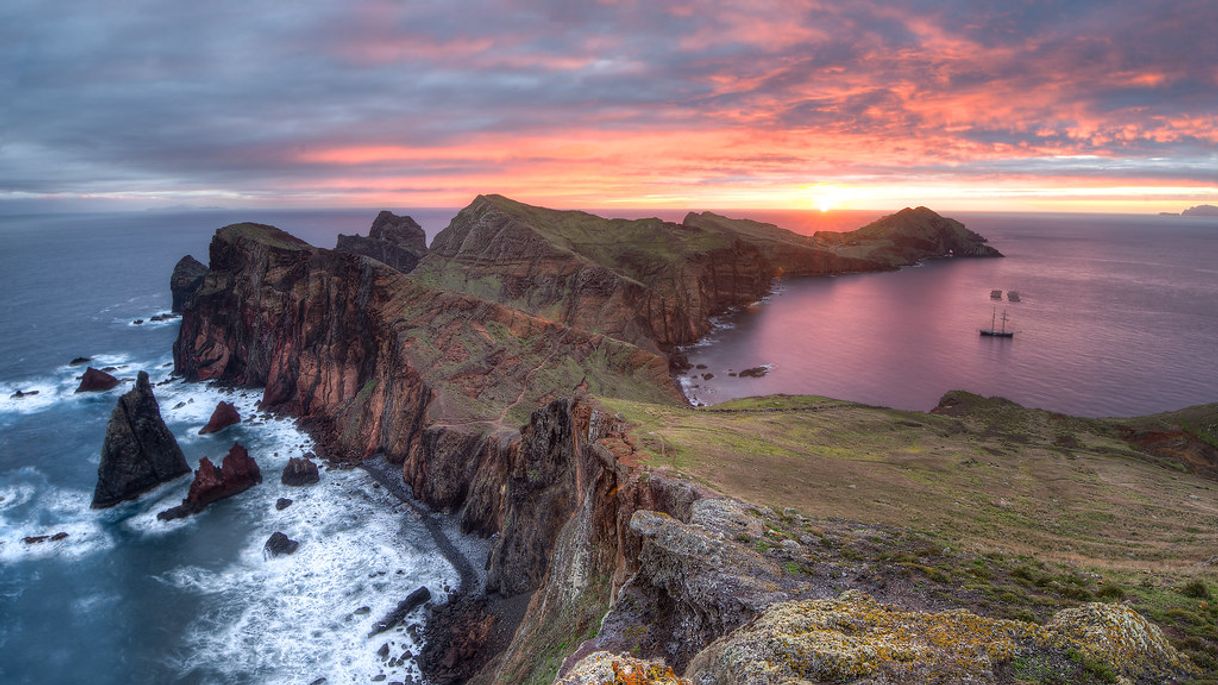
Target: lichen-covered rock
[[854, 638], [139, 451], [603, 668], [1118, 635]]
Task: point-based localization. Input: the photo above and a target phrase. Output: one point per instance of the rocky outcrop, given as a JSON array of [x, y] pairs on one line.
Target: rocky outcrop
[[908, 237], [94, 380], [299, 471], [856, 639], [398, 241], [237, 473], [599, 668], [223, 416], [279, 545], [139, 451], [414, 600], [185, 281]]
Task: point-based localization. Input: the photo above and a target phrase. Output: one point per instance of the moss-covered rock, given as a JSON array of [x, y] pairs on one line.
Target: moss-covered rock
[[856, 639]]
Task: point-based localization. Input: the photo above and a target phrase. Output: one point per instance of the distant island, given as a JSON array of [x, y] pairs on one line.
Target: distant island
[[1201, 210]]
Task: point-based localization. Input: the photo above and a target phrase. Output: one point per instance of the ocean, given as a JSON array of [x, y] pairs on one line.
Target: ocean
[[1119, 316]]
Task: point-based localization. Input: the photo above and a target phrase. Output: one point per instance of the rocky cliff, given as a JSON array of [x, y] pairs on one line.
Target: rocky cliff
[[488, 409], [655, 283], [187, 277], [648, 282], [398, 241]]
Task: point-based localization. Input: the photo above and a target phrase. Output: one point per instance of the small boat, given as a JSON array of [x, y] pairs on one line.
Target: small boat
[[993, 331], [995, 294], [1013, 295]]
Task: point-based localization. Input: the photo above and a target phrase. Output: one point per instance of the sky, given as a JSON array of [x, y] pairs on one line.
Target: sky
[[801, 104]]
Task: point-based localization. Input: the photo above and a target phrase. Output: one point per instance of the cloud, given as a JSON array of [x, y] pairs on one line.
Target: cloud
[[340, 102]]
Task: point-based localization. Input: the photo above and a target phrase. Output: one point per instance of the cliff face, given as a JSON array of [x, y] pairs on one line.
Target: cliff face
[[398, 241], [648, 282], [788, 253]]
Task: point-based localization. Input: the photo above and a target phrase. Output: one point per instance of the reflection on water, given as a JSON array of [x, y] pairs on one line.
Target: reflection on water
[[1119, 317]]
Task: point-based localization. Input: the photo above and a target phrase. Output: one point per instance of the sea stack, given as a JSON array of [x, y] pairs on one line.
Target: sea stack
[[139, 452], [225, 415], [398, 241], [237, 473], [186, 280]]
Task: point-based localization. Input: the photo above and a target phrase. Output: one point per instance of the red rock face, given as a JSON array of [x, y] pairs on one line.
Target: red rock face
[[225, 415], [237, 473], [96, 381]]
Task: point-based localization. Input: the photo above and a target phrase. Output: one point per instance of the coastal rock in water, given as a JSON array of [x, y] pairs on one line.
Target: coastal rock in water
[[23, 393], [187, 278], [755, 372], [300, 471], [280, 544], [413, 601], [282, 503], [237, 473], [80, 360], [96, 381], [222, 417], [398, 241], [139, 451]]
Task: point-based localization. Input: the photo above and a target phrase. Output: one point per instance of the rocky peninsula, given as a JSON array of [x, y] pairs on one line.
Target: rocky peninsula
[[519, 377]]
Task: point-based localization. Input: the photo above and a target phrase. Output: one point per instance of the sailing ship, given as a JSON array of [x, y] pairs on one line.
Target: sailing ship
[[994, 331], [995, 294], [1013, 296]]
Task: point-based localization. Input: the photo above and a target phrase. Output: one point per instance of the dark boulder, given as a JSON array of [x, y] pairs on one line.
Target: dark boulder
[[224, 416], [96, 381], [398, 241], [300, 471], [237, 473], [280, 545], [139, 451], [80, 360], [23, 393], [186, 280], [413, 601], [282, 503], [755, 372]]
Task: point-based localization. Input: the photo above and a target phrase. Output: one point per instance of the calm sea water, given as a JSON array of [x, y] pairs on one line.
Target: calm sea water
[[1119, 317]]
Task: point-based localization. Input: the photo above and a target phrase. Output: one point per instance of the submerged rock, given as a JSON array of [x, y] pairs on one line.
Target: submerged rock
[[237, 473], [23, 393], [80, 360], [300, 471], [139, 451], [96, 381], [225, 415], [186, 280], [280, 544], [755, 372]]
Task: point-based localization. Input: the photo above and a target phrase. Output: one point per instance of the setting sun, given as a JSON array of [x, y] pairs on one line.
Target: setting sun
[[826, 198]]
